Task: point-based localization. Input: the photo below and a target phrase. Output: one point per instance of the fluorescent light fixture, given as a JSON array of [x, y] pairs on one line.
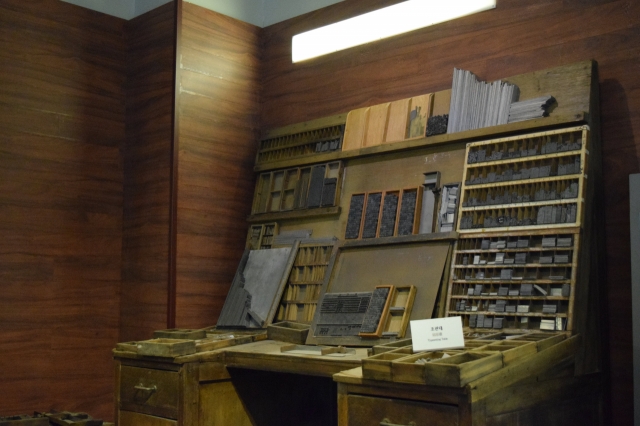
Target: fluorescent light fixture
[[386, 22]]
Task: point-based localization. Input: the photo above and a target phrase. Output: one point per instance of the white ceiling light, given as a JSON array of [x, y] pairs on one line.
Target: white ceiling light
[[389, 21]]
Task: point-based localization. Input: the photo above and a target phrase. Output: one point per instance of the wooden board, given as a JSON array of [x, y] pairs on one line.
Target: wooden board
[[166, 347], [362, 268], [377, 125], [356, 126], [398, 120]]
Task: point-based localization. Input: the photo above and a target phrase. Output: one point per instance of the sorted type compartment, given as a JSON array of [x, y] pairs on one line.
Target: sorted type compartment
[[167, 348], [318, 136], [507, 277], [511, 350], [378, 367], [288, 331], [534, 180], [454, 370]]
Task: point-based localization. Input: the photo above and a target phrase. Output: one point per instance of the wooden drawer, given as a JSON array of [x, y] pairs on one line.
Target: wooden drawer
[[370, 411], [144, 390], [128, 418]]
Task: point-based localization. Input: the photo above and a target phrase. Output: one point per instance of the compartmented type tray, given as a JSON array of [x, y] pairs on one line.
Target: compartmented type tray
[[396, 361], [298, 188], [533, 181], [515, 280], [384, 214]]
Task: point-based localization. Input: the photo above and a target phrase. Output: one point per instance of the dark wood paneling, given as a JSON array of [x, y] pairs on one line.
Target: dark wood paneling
[[62, 108], [515, 38], [147, 169], [218, 110]]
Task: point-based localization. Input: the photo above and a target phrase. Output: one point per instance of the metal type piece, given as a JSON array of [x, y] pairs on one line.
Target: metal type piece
[[375, 311], [407, 212], [389, 211], [355, 216], [371, 215], [342, 314]]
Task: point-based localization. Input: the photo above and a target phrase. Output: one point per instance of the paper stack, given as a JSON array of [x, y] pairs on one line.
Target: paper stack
[[476, 104]]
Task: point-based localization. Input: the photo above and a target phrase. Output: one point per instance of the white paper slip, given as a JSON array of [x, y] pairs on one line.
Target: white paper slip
[[437, 334]]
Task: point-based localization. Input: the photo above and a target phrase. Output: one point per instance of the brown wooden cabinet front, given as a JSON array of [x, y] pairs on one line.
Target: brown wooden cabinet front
[[149, 391], [375, 411]]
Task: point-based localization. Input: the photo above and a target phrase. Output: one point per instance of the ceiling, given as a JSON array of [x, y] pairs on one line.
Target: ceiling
[[261, 13]]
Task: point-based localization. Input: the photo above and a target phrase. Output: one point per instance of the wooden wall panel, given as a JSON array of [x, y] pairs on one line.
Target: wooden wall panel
[[515, 38], [218, 108], [147, 168], [62, 127]]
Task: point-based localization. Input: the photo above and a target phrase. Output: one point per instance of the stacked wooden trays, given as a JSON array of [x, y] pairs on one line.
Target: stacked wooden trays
[[397, 361]]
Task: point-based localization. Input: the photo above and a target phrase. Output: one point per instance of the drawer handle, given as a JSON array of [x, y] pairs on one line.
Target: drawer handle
[[387, 422], [146, 389]]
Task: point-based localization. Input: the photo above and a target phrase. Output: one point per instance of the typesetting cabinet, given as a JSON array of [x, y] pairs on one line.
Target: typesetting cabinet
[[502, 230]]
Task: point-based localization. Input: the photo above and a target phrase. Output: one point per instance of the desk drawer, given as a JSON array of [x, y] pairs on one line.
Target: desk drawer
[[128, 418], [370, 411], [149, 391]]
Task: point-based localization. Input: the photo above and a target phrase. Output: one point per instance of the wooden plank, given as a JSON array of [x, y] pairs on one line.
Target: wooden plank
[[441, 102], [398, 120], [357, 122], [377, 125]]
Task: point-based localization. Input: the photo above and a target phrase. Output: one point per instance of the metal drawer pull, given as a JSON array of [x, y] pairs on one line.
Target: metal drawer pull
[[387, 422], [145, 389]]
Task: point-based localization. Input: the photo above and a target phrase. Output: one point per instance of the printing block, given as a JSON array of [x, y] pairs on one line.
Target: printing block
[[371, 214], [354, 219]]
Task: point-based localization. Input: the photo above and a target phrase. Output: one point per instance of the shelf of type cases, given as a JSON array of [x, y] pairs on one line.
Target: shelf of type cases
[[518, 281], [297, 191], [530, 181], [300, 296]]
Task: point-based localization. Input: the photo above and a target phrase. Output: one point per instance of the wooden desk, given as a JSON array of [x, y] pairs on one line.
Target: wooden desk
[[257, 384]]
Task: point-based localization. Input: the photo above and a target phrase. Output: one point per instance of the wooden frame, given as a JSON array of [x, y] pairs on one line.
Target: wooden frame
[[551, 160]]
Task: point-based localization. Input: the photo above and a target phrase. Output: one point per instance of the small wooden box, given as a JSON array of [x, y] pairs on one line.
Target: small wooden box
[[166, 347], [378, 367], [288, 331], [511, 350], [454, 371]]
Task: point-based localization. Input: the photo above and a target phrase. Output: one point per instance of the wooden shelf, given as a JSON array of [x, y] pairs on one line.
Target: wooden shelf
[[517, 182], [550, 298], [520, 205], [572, 153], [517, 265], [515, 250], [497, 280], [552, 121], [509, 314], [294, 214], [405, 239]]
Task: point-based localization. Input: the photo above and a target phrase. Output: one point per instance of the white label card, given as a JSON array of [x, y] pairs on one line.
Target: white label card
[[437, 334]]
